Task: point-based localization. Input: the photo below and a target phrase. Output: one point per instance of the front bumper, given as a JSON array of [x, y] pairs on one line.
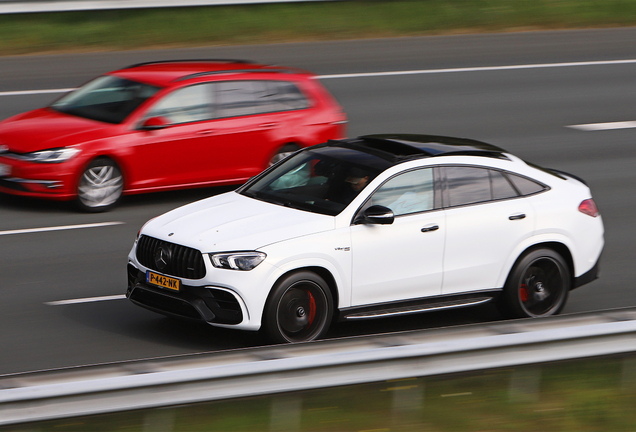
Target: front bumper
[[54, 181], [212, 305]]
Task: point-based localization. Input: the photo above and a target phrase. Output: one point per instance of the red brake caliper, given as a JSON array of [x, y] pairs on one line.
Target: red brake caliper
[[312, 307], [523, 292]]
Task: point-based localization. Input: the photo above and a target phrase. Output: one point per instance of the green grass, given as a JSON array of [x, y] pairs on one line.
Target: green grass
[[583, 396], [253, 24]]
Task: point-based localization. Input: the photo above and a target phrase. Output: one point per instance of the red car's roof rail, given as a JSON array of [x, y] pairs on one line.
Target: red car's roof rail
[[191, 61], [226, 71]]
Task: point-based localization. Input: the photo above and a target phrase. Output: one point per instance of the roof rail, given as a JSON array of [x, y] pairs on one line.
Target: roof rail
[[190, 61], [219, 72]]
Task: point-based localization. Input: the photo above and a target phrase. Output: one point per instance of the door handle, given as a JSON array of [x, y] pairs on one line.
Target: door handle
[[430, 228], [268, 125], [517, 216], [206, 132]]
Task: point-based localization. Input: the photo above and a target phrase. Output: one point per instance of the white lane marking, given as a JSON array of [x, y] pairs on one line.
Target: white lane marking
[[85, 300], [479, 69], [34, 92], [394, 73], [60, 228], [604, 126]]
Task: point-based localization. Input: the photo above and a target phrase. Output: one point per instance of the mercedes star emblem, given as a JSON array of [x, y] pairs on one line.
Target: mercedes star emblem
[[162, 258]]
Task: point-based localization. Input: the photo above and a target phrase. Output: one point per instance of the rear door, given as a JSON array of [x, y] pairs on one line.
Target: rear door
[[485, 219]]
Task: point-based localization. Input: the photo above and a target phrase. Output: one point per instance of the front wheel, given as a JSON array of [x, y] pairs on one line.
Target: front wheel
[[299, 309], [537, 286], [100, 186]]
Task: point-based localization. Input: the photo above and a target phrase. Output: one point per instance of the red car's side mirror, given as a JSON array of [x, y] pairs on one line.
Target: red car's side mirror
[[154, 123]]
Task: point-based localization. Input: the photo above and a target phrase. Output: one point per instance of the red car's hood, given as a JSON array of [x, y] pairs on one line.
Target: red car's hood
[[44, 129]]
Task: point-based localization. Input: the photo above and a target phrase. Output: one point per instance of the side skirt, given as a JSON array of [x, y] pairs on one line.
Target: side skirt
[[426, 304]]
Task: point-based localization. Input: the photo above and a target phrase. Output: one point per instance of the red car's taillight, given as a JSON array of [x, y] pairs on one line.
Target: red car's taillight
[[588, 207]]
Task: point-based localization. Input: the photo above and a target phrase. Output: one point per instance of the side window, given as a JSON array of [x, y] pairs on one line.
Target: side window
[[264, 99], [235, 98], [524, 185], [501, 187], [185, 105], [273, 96], [411, 192], [467, 185], [287, 96]]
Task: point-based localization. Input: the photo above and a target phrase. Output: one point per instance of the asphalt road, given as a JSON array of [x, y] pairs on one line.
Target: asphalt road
[[525, 110]]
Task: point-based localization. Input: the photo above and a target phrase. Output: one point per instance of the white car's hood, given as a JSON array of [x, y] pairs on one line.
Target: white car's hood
[[233, 222]]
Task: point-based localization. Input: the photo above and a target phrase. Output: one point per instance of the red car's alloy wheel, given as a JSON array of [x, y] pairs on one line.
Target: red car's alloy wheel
[[100, 186]]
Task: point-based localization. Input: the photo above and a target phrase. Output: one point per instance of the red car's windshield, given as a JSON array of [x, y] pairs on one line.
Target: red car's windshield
[[108, 99]]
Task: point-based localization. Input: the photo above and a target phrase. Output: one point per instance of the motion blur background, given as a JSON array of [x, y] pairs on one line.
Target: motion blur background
[[550, 80]]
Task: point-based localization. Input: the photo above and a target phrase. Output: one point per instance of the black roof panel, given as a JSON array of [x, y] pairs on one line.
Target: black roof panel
[[398, 147]]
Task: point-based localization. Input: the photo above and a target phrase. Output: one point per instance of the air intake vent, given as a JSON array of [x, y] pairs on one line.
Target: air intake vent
[[169, 258]]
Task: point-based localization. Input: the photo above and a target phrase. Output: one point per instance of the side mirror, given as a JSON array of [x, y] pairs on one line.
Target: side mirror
[[154, 123], [376, 215]]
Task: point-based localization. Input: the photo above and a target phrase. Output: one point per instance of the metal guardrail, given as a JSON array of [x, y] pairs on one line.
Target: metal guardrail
[[276, 369], [30, 6]]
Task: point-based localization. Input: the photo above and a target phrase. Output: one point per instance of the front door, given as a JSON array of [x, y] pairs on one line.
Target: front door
[[403, 260], [177, 154]]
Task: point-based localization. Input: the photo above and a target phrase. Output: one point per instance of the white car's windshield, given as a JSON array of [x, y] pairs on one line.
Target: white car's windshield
[[323, 180], [108, 98]]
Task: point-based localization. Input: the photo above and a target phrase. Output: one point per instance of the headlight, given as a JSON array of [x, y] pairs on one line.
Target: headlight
[[237, 260], [51, 156]]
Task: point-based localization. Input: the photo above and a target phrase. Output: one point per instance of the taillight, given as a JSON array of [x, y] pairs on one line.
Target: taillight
[[588, 207]]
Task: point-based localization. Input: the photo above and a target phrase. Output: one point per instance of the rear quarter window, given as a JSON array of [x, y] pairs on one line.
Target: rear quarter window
[[501, 187], [525, 186]]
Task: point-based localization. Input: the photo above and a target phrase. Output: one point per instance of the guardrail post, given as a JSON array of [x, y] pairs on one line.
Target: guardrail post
[[408, 399], [159, 420], [628, 375], [286, 413], [525, 384]]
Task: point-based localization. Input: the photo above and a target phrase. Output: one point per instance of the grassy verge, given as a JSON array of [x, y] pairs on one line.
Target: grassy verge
[[178, 27], [584, 396]]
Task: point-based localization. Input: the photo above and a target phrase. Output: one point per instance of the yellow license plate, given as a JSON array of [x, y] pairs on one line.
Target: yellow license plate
[[163, 281]]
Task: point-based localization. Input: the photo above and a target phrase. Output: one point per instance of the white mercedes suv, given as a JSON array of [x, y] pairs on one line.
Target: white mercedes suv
[[371, 227]]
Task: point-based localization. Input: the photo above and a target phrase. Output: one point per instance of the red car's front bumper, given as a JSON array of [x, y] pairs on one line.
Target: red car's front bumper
[[55, 181]]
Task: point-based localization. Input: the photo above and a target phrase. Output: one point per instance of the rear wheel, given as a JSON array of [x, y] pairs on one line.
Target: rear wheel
[[283, 152], [299, 309], [100, 186], [537, 286]]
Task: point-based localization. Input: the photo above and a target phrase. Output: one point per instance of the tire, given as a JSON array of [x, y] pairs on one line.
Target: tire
[[282, 153], [100, 186], [299, 309], [537, 286]]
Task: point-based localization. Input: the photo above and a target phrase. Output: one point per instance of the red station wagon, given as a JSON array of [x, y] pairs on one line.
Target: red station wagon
[[165, 125]]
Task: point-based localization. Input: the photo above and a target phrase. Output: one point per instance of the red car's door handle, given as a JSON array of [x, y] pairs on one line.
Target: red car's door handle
[[268, 125], [206, 132]]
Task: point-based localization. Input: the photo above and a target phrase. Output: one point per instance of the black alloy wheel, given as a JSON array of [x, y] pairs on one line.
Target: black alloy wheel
[[537, 286], [299, 309]]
